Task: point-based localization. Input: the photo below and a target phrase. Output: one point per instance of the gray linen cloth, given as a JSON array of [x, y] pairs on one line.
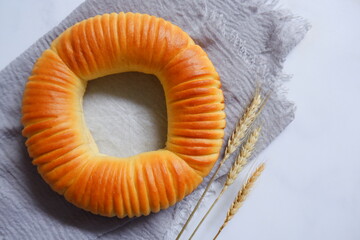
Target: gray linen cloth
[[247, 41]]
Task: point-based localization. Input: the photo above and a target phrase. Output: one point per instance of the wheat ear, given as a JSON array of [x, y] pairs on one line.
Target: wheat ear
[[241, 197], [246, 151], [242, 158], [237, 137], [251, 113]]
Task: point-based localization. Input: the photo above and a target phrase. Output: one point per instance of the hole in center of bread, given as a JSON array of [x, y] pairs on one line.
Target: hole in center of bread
[[126, 113]]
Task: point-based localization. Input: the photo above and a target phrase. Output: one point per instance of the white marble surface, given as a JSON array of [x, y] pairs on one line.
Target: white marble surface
[[310, 187]]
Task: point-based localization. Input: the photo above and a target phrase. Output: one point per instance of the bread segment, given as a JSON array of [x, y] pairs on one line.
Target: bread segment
[[61, 145]]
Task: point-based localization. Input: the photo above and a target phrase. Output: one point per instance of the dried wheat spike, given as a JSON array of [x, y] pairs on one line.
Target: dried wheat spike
[[245, 152], [244, 123], [241, 197]]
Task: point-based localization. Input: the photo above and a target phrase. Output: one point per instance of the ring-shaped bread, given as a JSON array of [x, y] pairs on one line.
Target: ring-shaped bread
[[61, 145]]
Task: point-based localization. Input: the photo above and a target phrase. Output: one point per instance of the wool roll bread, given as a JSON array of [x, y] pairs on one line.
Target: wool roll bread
[[61, 145]]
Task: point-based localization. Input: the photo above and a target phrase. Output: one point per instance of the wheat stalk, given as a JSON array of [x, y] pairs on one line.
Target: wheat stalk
[[236, 139], [242, 158], [241, 197]]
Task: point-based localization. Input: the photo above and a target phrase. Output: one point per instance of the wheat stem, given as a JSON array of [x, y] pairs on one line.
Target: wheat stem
[[236, 139], [201, 198], [207, 213], [241, 197], [245, 152]]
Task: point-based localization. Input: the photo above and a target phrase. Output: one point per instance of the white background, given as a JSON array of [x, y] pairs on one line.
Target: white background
[[310, 188]]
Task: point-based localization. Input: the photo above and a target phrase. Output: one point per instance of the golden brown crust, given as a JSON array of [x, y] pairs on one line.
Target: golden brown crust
[[61, 145]]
